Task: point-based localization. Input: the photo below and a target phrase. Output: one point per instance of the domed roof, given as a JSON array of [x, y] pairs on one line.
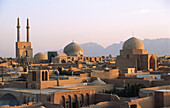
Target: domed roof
[[133, 43], [61, 55], [40, 56], [73, 49], [98, 81]]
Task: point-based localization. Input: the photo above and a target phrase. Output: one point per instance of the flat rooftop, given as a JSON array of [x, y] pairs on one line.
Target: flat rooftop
[[163, 90], [67, 86], [36, 91]]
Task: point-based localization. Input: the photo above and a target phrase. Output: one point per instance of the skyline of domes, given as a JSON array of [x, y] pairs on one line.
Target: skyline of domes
[[73, 49], [133, 43]]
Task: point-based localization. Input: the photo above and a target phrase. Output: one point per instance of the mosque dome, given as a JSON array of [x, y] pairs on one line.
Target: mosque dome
[[73, 49], [133, 43], [40, 56]]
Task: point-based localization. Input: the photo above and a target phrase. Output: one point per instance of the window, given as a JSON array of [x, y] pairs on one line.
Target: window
[[33, 76], [127, 56], [43, 76]]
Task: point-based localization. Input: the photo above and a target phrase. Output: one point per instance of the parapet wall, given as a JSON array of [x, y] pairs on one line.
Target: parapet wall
[[105, 97], [106, 75], [125, 82]]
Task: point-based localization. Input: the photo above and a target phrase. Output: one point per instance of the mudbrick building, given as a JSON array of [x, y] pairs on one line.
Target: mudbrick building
[[72, 80]]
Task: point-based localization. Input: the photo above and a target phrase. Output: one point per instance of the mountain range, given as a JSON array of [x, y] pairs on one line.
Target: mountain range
[[159, 46]]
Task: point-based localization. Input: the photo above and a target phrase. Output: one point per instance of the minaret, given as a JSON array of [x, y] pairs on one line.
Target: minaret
[[28, 31], [18, 30]]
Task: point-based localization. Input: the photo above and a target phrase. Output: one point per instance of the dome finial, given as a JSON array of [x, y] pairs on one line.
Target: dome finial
[[133, 34]]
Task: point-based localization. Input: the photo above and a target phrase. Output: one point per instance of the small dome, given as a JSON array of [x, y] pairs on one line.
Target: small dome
[[61, 55], [40, 56], [98, 81], [133, 43], [73, 49]]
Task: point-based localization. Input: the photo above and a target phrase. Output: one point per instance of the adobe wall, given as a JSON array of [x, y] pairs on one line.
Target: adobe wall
[[162, 98], [125, 82], [105, 97], [17, 84], [160, 83], [147, 102], [111, 104], [166, 99], [101, 88], [30, 105], [84, 75], [46, 84], [72, 80], [165, 77], [75, 95], [134, 74], [151, 91], [106, 75], [20, 96]]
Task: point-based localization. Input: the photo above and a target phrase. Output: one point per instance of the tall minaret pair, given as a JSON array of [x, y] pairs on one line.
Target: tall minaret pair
[[18, 30]]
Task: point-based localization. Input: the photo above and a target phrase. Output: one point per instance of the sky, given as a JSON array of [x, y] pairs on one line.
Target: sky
[[56, 23]]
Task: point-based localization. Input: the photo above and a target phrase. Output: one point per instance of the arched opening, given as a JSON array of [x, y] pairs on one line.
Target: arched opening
[[63, 61], [138, 64], [28, 99], [43, 76], [87, 58], [25, 69], [82, 100], [152, 63], [70, 103], [25, 100], [75, 103], [59, 69], [9, 99], [73, 59], [133, 106], [90, 59], [63, 101], [87, 99], [46, 75]]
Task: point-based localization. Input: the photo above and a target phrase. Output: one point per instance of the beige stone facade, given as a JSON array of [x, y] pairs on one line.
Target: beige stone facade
[[23, 49], [131, 57]]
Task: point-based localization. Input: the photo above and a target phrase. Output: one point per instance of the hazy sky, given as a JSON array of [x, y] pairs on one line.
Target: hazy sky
[[55, 23]]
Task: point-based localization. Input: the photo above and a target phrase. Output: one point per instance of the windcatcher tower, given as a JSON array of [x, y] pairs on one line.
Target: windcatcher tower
[[23, 49]]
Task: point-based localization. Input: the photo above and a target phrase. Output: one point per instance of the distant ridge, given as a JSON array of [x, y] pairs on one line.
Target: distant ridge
[[159, 46]]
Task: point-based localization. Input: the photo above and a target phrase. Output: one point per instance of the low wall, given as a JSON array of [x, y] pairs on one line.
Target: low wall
[[125, 82], [106, 75], [72, 80], [47, 84], [147, 102], [160, 83], [106, 97]]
